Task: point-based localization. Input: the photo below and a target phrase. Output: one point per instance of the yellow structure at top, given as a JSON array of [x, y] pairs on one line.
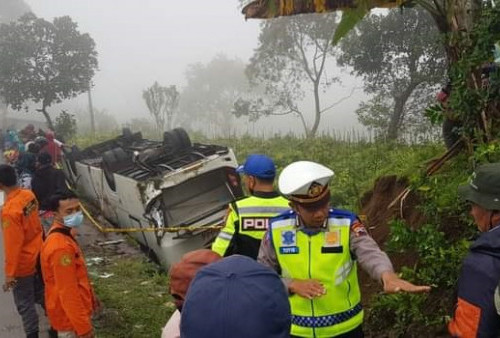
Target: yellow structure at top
[[266, 9]]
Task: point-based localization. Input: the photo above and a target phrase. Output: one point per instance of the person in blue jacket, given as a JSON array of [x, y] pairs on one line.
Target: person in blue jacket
[[475, 312]]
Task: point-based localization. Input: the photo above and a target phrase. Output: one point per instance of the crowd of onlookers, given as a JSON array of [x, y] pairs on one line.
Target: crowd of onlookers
[[34, 155], [27, 149]]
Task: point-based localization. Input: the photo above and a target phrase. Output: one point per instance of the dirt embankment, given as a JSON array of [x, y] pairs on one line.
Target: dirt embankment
[[379, 207]]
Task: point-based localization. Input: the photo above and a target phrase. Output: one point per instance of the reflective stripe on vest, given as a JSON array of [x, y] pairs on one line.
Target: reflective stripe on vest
[[255, 212], [323, 321], [326, 257], [225, 235]]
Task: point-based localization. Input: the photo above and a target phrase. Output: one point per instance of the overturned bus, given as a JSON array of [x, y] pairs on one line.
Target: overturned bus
[[179, 188]]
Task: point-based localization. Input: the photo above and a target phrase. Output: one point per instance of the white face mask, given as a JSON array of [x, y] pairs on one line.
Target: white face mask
[[73, 220]]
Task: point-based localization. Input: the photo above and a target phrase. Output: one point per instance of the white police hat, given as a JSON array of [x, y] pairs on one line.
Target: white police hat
[[305, 181]]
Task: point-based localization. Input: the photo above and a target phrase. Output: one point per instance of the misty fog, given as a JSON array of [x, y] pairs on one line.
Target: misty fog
[[140, 42]]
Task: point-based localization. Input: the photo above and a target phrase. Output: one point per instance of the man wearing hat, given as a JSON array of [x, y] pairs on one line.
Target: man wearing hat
[[315, 250], [475, 312], [248, 218]]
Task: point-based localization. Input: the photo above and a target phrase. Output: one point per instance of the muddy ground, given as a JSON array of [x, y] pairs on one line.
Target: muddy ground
[[94, 243], [379, 208]]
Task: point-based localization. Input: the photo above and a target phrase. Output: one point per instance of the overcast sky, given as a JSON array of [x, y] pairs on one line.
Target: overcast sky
[[142, 41]]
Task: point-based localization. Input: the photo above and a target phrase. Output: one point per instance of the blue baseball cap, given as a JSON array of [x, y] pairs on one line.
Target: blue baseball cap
[[258, 165]]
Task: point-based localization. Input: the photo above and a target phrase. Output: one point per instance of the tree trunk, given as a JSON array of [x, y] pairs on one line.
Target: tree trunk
[[394, 123], [91, 111], [304, 124], [317, 111], [48, 118], [398, 112], [3, 118]]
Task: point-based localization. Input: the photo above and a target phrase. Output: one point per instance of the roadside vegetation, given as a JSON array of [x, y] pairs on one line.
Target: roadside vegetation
[[134, 292], [136, 299]]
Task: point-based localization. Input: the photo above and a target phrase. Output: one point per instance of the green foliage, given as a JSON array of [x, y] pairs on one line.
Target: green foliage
[[401, 60], [86, 140], [439, 258], [475, 97], [375, 114], [435, 114], [292, 53], [487, 152], [65, 126], [393, 315], [350, 18], [440, 245], [44, 62], [439, 262], [134, 298], [356, 163]]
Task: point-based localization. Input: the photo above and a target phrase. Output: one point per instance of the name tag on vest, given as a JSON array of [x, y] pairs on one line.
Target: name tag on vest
[[332, 242], [332, 249], [287, 250]]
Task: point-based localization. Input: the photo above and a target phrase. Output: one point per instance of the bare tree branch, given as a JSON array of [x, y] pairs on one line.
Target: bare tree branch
[[341, 100], [304, 58]]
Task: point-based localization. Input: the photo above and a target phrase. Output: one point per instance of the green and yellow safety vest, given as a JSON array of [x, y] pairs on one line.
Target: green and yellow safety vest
[[324, 256], [246, 224]]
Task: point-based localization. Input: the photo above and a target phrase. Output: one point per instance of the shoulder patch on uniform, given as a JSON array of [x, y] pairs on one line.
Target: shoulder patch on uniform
[[359, 229], [66, 260], [5, 223], [28, 209]]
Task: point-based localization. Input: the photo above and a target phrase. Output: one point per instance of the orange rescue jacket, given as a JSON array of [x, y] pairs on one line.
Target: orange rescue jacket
[[22, 233], [69, 298]]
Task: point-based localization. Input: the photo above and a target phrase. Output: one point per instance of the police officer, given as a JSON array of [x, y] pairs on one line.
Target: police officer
[[315, 249], [248, 218], [475, 313]]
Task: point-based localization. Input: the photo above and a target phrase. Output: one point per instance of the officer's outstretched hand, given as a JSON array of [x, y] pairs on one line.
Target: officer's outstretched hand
[[394, 284], [307, 288]]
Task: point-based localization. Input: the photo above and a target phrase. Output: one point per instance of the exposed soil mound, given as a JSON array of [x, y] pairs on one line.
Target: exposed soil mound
[[379, 209], [376, 205]]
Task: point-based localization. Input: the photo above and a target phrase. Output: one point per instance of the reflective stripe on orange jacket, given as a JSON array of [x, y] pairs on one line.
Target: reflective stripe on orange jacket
[[69, 299], [475, 313], [22, 233]]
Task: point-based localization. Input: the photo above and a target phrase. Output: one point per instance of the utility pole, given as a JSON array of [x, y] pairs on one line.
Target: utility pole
[[91, 111], [3, 118]]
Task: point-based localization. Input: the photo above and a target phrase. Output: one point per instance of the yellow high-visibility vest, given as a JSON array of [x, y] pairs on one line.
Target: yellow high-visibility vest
[[324, 256], [248, 221]]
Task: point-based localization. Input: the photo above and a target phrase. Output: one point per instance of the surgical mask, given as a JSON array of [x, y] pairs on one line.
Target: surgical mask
[[73, 220]]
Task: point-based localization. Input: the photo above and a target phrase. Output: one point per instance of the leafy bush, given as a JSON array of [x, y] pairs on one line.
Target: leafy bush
[[65, 126], [440, 244]]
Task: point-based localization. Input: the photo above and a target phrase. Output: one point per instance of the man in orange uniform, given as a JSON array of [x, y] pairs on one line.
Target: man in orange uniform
[[69, 298], [22, 235]]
